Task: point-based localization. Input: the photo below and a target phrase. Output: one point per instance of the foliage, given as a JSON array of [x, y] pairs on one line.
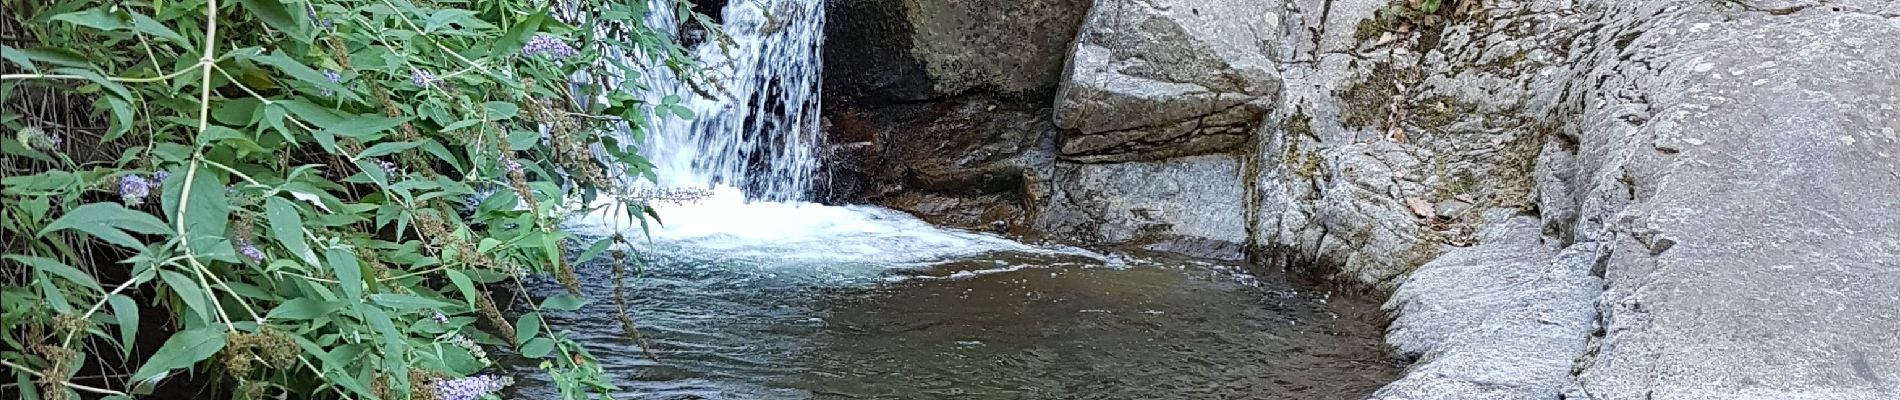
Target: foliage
[[316, 195]]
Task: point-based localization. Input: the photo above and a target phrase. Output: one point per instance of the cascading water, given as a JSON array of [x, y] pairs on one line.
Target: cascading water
[[752, 143], [754, 294], [759, 131]]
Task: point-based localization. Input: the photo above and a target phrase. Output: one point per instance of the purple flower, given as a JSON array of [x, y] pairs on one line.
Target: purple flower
[[310, 12], [334, 78], [550, 45], [421, 78], [389, 168], [513, 166], [469, 388], [133, 189], [248, 250], [439, 318], [158, 178]]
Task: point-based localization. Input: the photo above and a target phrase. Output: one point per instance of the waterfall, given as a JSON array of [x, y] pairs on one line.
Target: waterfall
[[753, 145], [759, 131]]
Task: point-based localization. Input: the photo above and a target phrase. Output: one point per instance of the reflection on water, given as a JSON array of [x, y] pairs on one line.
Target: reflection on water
[[1000, 325]]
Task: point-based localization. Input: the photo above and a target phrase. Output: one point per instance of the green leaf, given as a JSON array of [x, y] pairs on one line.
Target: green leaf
[[298, 70], [127, 313], [683, 112], [527, 326], [207, 214], [380, 321], [302, 308], [57, 56], [188, 291], [121, 116], [365, 126], [55, 268], [519, 140], [286, 226], [563, 302], [95, 78], [182, 350], [148, 26], [97, 18], [464, 285], [407, 302], [108, 222], [273, 13], [17, 58], [387, 148], [594, 250], [537, 348], [348, 272], [499, 110]]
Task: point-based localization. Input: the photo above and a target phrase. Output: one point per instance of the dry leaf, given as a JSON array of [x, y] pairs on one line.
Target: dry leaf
[[1421, 208], [1385, 38]]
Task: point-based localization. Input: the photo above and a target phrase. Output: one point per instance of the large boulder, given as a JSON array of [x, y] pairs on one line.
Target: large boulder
[[892, 51], [1153, 79], [1188, 205]]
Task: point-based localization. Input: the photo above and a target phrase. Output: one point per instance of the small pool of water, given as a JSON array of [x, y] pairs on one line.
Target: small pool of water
[[1008, 322]]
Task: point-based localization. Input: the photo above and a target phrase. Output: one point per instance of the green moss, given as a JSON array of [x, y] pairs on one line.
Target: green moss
[[1299, 124], [1510, 61], [1368, 29], [1364, 103]]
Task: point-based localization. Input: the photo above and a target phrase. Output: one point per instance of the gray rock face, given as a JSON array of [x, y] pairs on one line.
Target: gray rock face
[[1501, 320], [880, 51], [1152, 79], [1758, 253], [1728, 169], [1190, 205]]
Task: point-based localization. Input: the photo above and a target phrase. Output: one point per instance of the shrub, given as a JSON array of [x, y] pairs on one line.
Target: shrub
[[298, 188]]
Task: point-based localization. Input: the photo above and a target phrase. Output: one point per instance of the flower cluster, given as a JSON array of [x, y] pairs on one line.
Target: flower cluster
[[310, 13], [389, 168], [133, 189], [37, 138], [474, 349], [470, 388], [549, 45], [248, 250], [422, 79], [334, 78]]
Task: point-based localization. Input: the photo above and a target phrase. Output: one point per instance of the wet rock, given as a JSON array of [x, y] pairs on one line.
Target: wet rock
[[1154, 79]]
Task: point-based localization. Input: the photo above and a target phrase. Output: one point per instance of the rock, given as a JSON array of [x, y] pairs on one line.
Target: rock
[[882, 51], [1726, 168], [1190, 205], [1760, 264], [1503, 320], [1148, 80]]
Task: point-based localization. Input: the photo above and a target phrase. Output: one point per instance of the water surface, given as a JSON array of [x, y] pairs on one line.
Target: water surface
[[880, 309]]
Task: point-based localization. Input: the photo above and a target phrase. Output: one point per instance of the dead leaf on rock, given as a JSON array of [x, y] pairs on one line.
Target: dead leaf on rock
[[1421, 208]]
